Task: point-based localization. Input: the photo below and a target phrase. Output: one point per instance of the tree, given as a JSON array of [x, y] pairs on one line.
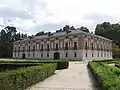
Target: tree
[[72, 28], [40, 33], [111, 31], [7, 36], [59, 30], [85, 29], [3, 45], [66, 28]]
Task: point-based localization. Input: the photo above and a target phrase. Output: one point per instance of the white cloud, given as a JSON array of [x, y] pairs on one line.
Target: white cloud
[[35, 15]]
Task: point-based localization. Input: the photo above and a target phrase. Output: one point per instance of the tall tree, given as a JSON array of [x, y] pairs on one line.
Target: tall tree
[[72, 28], [85, 29], [7, 36], [66, 28], [111, 31]]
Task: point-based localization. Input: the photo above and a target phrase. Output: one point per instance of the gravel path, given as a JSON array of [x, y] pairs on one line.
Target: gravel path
[[76, 77]]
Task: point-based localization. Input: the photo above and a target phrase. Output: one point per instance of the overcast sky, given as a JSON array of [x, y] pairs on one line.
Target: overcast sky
[[32, 16]]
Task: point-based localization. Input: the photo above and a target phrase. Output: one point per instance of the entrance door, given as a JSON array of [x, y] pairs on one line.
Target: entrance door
[[56, 55], [23, 56]]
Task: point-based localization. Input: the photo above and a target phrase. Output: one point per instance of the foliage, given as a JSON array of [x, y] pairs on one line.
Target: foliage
[[117, 65], [23, 78], [107, 76], [116, 52], [7, 36], [11, 66], [111, 31], [61, 64], [67, 28], [84, 29], [41, 33]]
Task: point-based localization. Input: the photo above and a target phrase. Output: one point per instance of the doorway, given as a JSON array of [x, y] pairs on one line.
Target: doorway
[[23, 56], [56, 55]]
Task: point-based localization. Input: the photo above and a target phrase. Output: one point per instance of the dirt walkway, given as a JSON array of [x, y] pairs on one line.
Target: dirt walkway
[[76, 77]]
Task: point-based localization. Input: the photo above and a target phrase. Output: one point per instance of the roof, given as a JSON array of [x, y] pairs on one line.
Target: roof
[[56, 34]]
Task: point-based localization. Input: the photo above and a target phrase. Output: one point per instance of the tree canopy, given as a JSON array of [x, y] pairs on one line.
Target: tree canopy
[[111, 31], [7, 36]]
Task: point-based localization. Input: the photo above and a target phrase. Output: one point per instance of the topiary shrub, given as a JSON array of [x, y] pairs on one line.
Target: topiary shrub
[[61, 64], [22, 78]]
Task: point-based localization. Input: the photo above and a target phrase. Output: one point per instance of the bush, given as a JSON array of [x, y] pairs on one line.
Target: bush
[[107, 76], [23, 78], [108, 61], [61, 64], [11, 66]]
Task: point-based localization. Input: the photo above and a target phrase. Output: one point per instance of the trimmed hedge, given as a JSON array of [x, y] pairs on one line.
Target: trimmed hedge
[[23, 78], [108, 61], [107, 76], [61, 64], [11, 66]]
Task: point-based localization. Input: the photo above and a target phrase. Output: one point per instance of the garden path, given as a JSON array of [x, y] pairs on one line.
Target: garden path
[[76, 77]]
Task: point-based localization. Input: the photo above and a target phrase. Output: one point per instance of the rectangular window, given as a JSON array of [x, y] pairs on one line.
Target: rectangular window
[[92, 46], [56, 46], [41, 47], [75, 55], [66, 46], [47, 54], [66, 55], [86, 45], [33, 48], [92, 54], [15, 49], [86, 54], [75, 45], [47, 47], [41, 55], [29, 49]]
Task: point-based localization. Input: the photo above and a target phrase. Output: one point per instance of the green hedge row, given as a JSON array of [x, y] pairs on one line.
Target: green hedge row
[[11, 66], [107, 76], [61, 64], [108, 61], [23, 78]]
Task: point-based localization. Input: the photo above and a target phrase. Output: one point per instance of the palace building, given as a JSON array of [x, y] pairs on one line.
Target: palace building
[[67, 45]]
